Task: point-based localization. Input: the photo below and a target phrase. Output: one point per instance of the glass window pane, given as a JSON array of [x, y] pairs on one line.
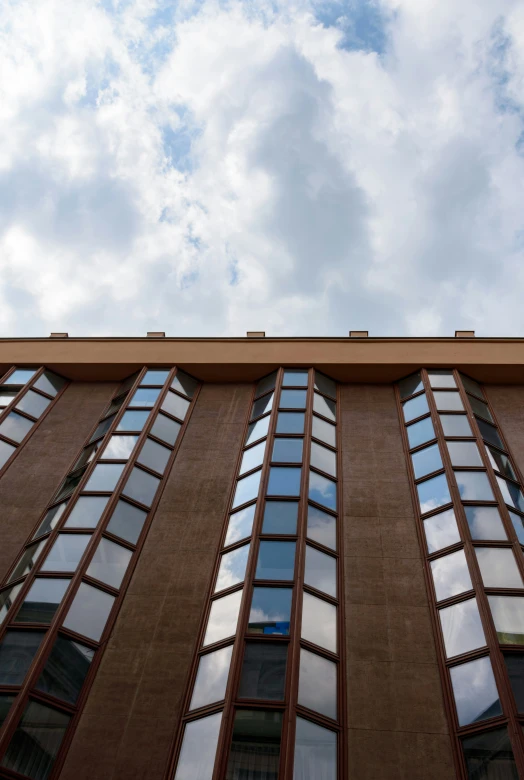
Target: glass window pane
[[257, 430], [464, 453], [325, 407], [102, 428], [455, 425], [87, 454], [15, 426], [472, 386], [515, 667], [232, 568], [322, 490], [65, 670], [155, 377], [199, 747], [127, 522], [461, 628], [223, 618], [511, 493], [17, 651], [7, 598], [441, 378], [489, 756], [36, 741], [211, 680], [450, 575], [115, 405], [480, 408], [295, 377], [518, 524], [66, 552], [42, 601], [5, 706], [280, 517], [323, 459], [426, 461], [6, 450], [247, 489], [321, 571], [33, 403], [410, 385], [50, 383], [292, 399], [441, 530], [175, 405], [484, 522], [104, 477], [287, 450], [433, 493], [255, 744], [324, 431], [109, 563], [184, 383], [474, 486], [20, 376], [132, 421], [87, 512], [263, 671], [119, 447], [290, 422], [448, 402], [276, 561], [317, 687], [253, 457], [51, 519], [315, 748], [263, 405], [420, 432], [270, 611], [501, 462], [508, 616], [141, 486], [165, 429], [154, 456], [266, 383], [89, 611], [415, 408], [27, 560], [498, 568], [475, 691], [240, 525], [489, 433], [68, 485], [6, 396], [326, 385], [284, 481], [319, 622], [321, 527]]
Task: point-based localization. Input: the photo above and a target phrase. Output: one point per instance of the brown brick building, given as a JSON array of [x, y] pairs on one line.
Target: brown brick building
[[261, 558]]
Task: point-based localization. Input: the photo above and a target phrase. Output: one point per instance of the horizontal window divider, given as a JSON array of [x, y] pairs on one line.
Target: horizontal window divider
[[326, 419], [445, 551], [235, 545], [423, 446], [322, 720], [324, 395], [101, 493], [40, 392], [85, 640], [171, 416], [12, 442], [273, 583], [148, 470], [416, 419], [469, 468], [118, 540], [325, 444], [209, 709], [287, 463], [469, 502], [504, 591], [502, 543], [323, 474], [226, 592], [425, 478], [12, 583], [52, 701], [100, 585], [288, 436], [301, 409], [278, 537], [323, 508], [260, 416], [160, 441], [216, 646], [248, 474], [438, 510], [133, 501], [123, 461], [283, 639], [498, 449], [485, 725], [474, 395], [321, 651], [472, 655], [322, 548], [460, 438], [265, 703], [467, 594], [25, 414], [414, 395], [9, 689], [250, 446], [320, 594]]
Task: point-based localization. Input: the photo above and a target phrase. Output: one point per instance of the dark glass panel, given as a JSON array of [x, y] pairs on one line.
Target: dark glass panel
[[280, 517], [42, 601], [290, 422], [450, 575], [104, 477], [441, 530], [287, 450], [176, 405], [415, 408], [232, 568], [498, 568], [321, 571], [165, 429], [253, 457], [474, 486], [36, 741], [109, 563], [455, 425], [501, 463], [319, 622], [441, 378], [475, 691], [240, 525], [295, 377], [464, 453], [481, 409], [284, 481], [265, 384], [102, 427], [247, 489], [51, 519], [50, 383], [7, 598], [154, 456], [5, 706], [199, 746], [321, 527], [325, 407], [66, 552], [515, 667], [410, 385], [184, 384], [270, 611], [484, 522], [115, 404], [322, 490], [89, 611], [127, 522], [27, 560], [489, 756], [20, 376], [223, 618], [325, 385], [211, 680], [65, 670], [144, 396], [87, 454], [132, 421], [6, 450], [276, 561], [69, 484], [17, 651], [87, 512], [255, 746], [426, 461], [263, 671], [471, 386], [257, 430], [315, 752], [317, 689], [33, 403], [420, 432], [462, 628], [489, 433], [141, 486], [15, 427], [292, 399], [263, 405]]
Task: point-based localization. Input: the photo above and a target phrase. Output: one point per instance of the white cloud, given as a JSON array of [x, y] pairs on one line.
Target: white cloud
[[208, 168]]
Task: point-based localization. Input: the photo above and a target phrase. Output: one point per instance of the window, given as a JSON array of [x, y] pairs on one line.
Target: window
[[68, 486], [87, 455], [325, 385], [323, 459], [508, 616], [127, 521], [247, 489], [448, 402], [17, 651], [474, 486], [6, 396], [410, 385], [433, 493], [66, 552], [518, 524], [176, 405], [155, 377], [287, 450], [317, 688], [89, 611], [416, 407], [450, 575], [119, 447], [87, 512], [223, 618], [292, 399], [7, 598], [270, 611], [36, 741], [199, 745], [420, 432], [441, 378], [6, 450], [253, 457], [284, 481], [322, 490], [489, 433], [276, 561], [441, 531], [315, 750], [480, 408], [489, 756], [132, 421], [42, 601], [165, 429], [290, 422], [240, 525], [263, 405], [211, 679], [20, 376], [50, 520], [104, 477], [49, 383], [500, 462], [324, 431], [263, 673], [461, 628], [154, 456], [109, 563], [102, 428], [464, 453], [27, 560], [65, 670], [15, 427], [266, 384], [471, 386], [319, 622], [184, 384], [484, 522], [511, 493], [475, 691], [232, 568], [257, 430], [321, 571], [426, 461], [280, 517], [515, 667], [325, 407], [33, 403], [144, 396], [255, 744], [455, 425], [321, 527], [141, 486], [295, 377], [498, 568]]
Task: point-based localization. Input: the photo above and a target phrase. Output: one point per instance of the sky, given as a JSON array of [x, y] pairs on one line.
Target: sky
[[301, 167]]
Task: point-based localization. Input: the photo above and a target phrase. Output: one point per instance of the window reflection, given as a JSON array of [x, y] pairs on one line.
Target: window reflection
[[276, 561], [464, 453], [420, 432], [211, 679], [474, 486], [508, 616], [265, 384], [317, 688], [448, 402], [232, 568], [315, 752], [410, 385], [253, 457], [455, 425], [441, 530], [280, 517], [426, 461], [498, 568], [199, 745], [223, 617], [284, 481], [262, 406], [321, 571], [475, 691], [501, 463], [321, 527], [263, 671], [255, 745], [240, 525], [36, 741], [319, 622], [484, 522], [450, 575], [415, 408], [489, 756], [65, 670], [324, 431], [322, 490], [270, 611], [433, 493], [462, 628], [89, 611], [325, 407], [323, 459], [511, 493], [441, 378], [247, 489], [257, 430]]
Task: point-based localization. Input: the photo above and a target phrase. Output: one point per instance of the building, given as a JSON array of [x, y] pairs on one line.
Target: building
[[262, 558]]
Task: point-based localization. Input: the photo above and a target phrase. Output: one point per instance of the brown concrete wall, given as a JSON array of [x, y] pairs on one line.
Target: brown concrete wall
[[133, 709], [508, 404], [396, 718], [30, 481]]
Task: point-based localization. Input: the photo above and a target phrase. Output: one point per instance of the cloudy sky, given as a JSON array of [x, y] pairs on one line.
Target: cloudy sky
[[302, 167]]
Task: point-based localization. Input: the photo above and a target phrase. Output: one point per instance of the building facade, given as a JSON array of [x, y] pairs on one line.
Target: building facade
[[262, 559]]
